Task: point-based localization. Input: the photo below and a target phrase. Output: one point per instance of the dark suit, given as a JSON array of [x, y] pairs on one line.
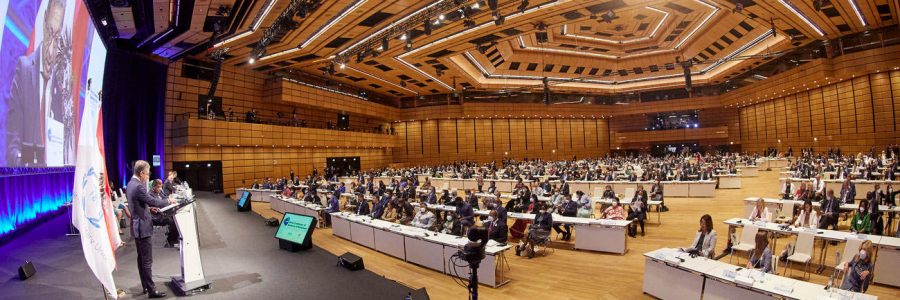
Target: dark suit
[[363, 208], [139, 202], [831, 207], [498, 231], [24, 139]]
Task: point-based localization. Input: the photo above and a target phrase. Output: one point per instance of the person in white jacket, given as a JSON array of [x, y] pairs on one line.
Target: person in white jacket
[[808, 217], [705, 241], [760, 212]]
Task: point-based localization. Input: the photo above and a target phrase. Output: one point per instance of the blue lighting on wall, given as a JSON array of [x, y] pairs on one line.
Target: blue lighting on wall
[[27, 194]]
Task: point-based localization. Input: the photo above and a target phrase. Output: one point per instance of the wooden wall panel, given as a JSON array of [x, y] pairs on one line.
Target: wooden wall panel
[[854, 115]]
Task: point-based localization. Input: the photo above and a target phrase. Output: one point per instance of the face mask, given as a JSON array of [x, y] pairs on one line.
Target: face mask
[[862, 254], [422, 210]]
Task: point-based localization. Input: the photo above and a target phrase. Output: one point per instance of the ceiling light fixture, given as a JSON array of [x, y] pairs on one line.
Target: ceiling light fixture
[[862, 19], [790, 6]]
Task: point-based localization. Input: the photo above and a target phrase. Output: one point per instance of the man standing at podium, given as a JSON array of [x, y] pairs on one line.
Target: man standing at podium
[[141, 203]]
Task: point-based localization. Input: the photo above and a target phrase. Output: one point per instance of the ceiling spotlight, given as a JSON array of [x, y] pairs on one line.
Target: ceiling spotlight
[[441, 17], [476, 5], [252, 60], [342, 66], [403, 37]]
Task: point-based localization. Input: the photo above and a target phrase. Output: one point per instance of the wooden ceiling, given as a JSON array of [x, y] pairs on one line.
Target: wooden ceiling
[[571, 42]]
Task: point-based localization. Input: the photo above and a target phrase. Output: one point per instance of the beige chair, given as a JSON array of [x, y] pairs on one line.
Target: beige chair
[[786, 213], [629, 195], [803, 252], [747, 241], [851, 248], [598, 193]]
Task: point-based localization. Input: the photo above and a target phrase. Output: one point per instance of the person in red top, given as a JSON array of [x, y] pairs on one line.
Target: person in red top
[[614, 212]]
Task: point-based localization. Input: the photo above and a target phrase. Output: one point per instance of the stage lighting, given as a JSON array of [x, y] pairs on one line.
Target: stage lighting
[[403, 37], [686, 67], [441, 17], [498, 18], [342, 66], [384, 44], [252, 60]]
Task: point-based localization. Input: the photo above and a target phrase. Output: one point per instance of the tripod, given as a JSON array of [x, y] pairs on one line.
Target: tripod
[[473, 280]]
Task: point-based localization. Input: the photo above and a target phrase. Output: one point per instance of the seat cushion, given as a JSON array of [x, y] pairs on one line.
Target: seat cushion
[[742, 247], [800, 257]]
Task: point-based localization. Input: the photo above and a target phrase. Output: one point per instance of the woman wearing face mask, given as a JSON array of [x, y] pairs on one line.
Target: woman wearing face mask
[[614, 212], [861, 222], [859, 270], [424, 218], [539, 231]]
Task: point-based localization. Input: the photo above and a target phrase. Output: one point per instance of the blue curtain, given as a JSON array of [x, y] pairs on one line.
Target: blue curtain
[[134, 89], [31, 193]]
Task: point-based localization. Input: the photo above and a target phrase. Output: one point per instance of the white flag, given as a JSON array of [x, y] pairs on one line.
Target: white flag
[[92, 211]]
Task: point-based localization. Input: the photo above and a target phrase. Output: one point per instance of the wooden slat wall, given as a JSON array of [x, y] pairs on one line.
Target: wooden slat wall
[[283, 92], [853, 115], [447, 140], [242, 90]]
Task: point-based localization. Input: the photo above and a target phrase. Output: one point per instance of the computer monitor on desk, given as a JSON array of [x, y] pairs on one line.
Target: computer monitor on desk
[[243, 203]]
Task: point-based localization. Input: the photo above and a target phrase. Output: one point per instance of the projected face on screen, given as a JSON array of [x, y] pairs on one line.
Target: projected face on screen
[[49, 51]]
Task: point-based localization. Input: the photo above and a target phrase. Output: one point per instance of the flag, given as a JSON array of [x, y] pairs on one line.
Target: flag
[[92, 211]]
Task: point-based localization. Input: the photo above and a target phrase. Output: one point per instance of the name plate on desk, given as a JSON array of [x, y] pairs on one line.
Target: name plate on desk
[[730, 274], [784, 288], [743, 280]]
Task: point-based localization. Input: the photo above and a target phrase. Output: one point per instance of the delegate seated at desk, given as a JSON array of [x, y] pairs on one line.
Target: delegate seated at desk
[[424, 218], [362, 208], [496, 227], [859, 269], [705, 240], [831, 206], [761, 256], [614, 212], [862, 222], [760, 212], [538, 232], [808, 217]]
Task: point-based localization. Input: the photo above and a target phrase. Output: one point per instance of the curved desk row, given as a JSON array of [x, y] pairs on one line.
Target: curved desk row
[[426, 248]]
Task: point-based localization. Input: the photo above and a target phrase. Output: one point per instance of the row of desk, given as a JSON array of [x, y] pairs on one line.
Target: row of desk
[[591, 234], [887, 248], [863, 187], [773, 204], [705, 188], [257, 195], [429, 249], [671, 274]]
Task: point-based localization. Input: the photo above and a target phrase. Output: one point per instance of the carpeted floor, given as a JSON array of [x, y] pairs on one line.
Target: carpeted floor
[[240, 256]]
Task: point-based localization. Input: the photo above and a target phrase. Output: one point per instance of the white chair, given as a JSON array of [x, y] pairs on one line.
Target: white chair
[[786, 213], [747, 242], [628, 196], [803, 252], [851, 248]]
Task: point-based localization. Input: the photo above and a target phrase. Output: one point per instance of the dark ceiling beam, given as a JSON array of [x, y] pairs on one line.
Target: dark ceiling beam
[[182, 22], [236, 18]]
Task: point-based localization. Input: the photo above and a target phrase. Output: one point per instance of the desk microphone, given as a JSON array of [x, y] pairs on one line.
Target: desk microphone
[[680, 259]]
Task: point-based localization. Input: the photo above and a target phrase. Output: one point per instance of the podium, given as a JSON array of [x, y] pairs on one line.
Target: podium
[[192, 279]]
